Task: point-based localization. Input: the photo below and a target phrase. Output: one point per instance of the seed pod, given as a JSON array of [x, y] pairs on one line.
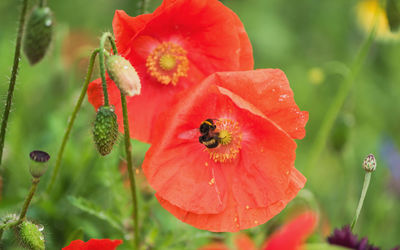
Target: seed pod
[[393, 14], [38, 33], [123, 74], [105, 129], [39, 164], [30, 235]]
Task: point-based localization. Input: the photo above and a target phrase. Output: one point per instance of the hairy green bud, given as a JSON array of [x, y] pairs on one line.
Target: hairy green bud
[[30, 235], [105, 129], [123, 74], [38, 33]]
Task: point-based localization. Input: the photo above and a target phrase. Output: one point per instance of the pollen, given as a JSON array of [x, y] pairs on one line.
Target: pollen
[[230, 138], [167, 63]]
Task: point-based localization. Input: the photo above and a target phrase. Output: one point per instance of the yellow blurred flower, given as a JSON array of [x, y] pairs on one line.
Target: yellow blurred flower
[[316, 75], [366, 10]]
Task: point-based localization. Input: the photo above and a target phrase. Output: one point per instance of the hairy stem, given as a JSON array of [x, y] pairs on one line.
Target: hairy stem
[[128, 149], [143, 6], [28, 199], [334, 109], [13, 78], [367, 179], [72, 120], [104, 37]]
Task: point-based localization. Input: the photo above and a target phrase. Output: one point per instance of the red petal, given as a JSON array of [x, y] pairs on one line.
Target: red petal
[[126, 28], [292, 235], [243, 242], [269, 91], [94, 244], [236, 217]]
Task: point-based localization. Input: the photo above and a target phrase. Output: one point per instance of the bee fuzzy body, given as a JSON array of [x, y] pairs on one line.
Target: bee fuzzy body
[[209, 137]]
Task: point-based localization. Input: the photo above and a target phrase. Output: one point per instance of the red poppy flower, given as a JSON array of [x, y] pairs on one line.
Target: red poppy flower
[[175, 47], [250, 176], [94, 244], [290, 237]]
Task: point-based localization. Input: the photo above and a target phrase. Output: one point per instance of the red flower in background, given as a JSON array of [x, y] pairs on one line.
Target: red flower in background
[[250, 176], [290, 237], [94, 244], [175, 47], [241, 241]]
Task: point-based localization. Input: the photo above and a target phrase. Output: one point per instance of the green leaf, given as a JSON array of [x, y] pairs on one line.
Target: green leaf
[[93, 209], [323, 246]]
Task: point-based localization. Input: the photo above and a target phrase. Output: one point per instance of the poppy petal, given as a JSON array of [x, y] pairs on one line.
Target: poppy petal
[[270, 92], [235, 217], [94, 244], [292, 235]]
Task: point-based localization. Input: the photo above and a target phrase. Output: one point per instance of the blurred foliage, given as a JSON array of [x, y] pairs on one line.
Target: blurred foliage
[[90, 199]]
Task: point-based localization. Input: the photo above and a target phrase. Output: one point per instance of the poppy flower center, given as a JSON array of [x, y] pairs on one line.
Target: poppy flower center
[[229, 139], [167, 63]]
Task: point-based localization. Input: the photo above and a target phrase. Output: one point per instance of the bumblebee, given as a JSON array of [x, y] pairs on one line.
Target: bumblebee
[[207, 126], [210, 141], [209, 137]]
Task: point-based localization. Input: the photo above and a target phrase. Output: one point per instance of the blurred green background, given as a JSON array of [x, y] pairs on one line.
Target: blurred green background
[[313, 41]]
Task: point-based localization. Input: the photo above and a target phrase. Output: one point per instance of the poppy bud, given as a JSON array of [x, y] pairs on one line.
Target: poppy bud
[[30, 235], [369, 163], [123, 74], [39, 165], [393, 14], [38, 33], [105, 130]]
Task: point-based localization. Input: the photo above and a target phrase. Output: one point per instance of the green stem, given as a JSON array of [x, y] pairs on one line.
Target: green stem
[[367, 179], [24, 209], [143, 6], [104, 37], [28, 199], [42, 3], [128, 150], [13, 78], [331, 115], [71, 120]]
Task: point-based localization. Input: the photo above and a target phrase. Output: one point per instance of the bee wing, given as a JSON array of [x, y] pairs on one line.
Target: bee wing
[[192, 134]]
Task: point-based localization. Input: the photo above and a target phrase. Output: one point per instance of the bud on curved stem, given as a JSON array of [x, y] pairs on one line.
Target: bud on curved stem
[[123, 74], [105, 130], [38, 34]]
